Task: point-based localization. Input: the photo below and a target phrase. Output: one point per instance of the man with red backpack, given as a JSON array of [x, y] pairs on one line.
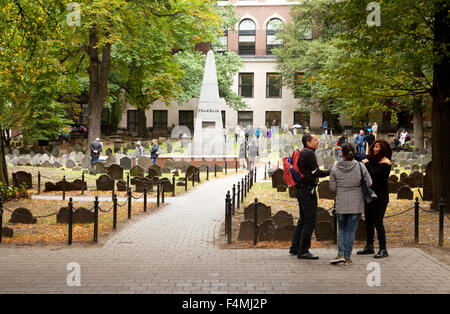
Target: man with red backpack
[[305, 191]]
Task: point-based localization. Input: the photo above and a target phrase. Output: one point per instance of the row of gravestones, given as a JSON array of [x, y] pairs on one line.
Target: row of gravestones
[[281, 227]]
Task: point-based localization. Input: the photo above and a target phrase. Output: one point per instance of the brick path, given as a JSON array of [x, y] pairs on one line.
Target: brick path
[[174, 251]]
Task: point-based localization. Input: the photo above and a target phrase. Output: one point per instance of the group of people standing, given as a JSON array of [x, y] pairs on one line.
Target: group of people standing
[[96, 148], [346, 179]]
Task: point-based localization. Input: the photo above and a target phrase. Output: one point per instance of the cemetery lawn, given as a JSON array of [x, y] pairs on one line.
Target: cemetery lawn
[[47, 231], [399, 229]]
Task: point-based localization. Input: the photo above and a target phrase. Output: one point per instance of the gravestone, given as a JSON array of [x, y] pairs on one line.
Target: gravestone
[[323, 215], [168, 187], [22, 216], [415, 167], [115, 171], [192, 170], [36, 161], [157, 169], [266, 231], [24, 178], [246, 231], [325, 191], [292, 192], [403, 177], [105, 183], [281, 188], [405, 193], [324, 231], [98, 167], [121, 185], [277, 178], [70, 164], [7, 232], [283, 218], [144, 162], [86, 162], [169, 164], [55, 151], [137, 171], [393, 187], [125, 163], [108, 152], [141, 183], [285, 233], [393, 178], [264, 212], [111, 160], [81, 215], [152, 173], [415, 179]]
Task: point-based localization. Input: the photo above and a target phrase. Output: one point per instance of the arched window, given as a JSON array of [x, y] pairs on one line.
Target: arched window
[[273, 26], [247, 35]]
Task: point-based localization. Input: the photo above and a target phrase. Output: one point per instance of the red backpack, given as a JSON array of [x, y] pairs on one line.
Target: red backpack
[[292, 175]]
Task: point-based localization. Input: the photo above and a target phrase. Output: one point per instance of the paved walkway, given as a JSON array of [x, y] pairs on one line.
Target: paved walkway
[[174, 251]]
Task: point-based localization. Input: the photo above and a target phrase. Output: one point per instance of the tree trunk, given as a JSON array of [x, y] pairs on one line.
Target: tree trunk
[[98, 83], [3, 166], [142, 124], [418, 130], [441, 108]]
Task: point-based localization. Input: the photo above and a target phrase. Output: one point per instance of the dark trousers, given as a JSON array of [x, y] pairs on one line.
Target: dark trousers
[[301, 241], [374, 214]]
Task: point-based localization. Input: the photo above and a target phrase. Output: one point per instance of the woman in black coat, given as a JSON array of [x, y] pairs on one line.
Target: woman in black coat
[[378, 163]]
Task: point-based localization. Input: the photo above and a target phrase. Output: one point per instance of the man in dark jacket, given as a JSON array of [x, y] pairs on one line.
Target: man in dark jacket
[[154, 151], [96, 148], [307, 198]]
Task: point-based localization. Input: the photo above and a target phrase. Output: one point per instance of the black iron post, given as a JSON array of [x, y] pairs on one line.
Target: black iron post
[[69, 238], [234, 198], [145, 198], [255, 176], [185, 182], [193, 179], [82, 183], [157, 194], [227, 198], [242, 190], [441, 222], [238, 193], [255, 222], [245, 186], [207, 172], [265, 172], [416, 220], [1, 218], [96, 220], [64, 189], [226, 166], [39, 182], [229, 218], [129, 203], [173, 186], [128, 181], [112, 191], [162, 192], [115, 212], [215, 170]]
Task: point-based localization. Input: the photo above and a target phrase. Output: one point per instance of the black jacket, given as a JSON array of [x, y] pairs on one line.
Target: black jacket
[[154, 150], [96, 149], [308, 166]]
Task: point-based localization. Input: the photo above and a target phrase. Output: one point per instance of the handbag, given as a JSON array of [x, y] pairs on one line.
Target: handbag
[[368, 194]]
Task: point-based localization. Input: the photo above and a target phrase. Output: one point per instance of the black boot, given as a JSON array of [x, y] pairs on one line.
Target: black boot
[[368, 249], [381, 253]]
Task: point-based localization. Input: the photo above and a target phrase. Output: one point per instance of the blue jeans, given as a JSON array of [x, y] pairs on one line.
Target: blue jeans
[[361, 149], [154, 160], [94, 160], [347, 224], [339, 155]]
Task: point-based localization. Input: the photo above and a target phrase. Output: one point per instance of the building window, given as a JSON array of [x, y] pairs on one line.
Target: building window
[[132, 120], [273, 118], [159, 119], [247, 36], [301, 118], [223, 118], [273, 26], [245, 118], [298, 81], [273, 85], [186, 118], [246, 85], [222, 43]]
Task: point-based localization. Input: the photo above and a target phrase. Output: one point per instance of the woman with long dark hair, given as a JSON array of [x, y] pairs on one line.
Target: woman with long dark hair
[[378, 163]]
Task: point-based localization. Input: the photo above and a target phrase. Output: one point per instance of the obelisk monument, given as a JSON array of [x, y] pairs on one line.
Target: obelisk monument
[[208, 132]]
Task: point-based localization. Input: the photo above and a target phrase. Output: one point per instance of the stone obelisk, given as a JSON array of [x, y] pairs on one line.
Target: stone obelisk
[[208, 132]]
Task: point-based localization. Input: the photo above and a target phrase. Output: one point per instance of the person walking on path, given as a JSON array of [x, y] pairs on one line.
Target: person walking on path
[[324, 127], [360, 141], [307, 198], [96, 148], [375, 129], [154, 151], [379, 165], [345, 180], [139, 151]]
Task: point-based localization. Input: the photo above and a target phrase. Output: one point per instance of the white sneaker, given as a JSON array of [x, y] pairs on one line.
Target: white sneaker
[[338, 259]]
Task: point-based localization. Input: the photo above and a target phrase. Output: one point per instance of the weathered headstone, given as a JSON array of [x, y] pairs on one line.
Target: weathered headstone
[[405, 193], [361, 234], [246, 231], [323, 215], [415, 179], [99, 167], [264, 212], [137, 171], [393, 178], [283, 218], [86, 162], [277, 178], [7, 232], [115, 171], [121, 185], [70, 164], [24, 178], [80, 216], [105, 183], [393, 187], [266, 231], [144, 162], [22, 216], [125, 163], [325, 191], [285, 233], [55, 151]]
